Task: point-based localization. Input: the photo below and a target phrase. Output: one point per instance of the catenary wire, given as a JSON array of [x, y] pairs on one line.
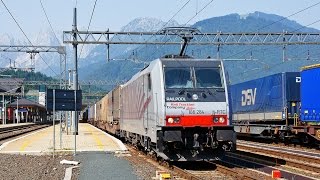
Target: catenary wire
[[313, 5], [93, 9], [45, 13], [26, 35], [302, 10], [199, 12], [175, 14], [291, 32]]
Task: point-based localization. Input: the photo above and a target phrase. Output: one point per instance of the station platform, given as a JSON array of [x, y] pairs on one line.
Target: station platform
[[90, 139], [2, 126]]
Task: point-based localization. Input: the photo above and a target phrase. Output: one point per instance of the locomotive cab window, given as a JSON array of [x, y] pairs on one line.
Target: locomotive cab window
[[178, 78], [208, 77]]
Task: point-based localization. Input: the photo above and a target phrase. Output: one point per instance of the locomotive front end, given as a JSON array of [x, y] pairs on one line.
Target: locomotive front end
[[196, 123]]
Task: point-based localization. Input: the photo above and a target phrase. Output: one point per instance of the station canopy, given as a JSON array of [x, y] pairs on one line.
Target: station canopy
[[12, 85], [26, 103]]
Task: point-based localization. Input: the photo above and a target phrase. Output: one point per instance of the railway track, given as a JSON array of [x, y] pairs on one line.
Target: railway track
[[208, 169], [10, 132], [244, 165], [199, 170], [270, 141], [297, 161], [288, 154]]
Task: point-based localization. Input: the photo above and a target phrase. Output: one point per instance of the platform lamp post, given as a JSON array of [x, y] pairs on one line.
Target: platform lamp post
[[3, 115], [18, 119], [69, 113], [4, 119]]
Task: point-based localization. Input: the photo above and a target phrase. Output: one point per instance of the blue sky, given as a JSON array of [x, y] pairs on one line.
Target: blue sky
[[117, 13]]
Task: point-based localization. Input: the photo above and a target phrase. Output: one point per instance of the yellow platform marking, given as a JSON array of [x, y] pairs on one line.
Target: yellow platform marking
[[31, 139], [95, 137]]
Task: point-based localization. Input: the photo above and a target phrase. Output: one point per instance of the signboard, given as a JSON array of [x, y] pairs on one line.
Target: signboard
[[65, 100], [42, 98]]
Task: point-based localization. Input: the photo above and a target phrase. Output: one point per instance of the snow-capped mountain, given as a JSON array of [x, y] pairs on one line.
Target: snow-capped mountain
[[93, 62], [147, 24], [252, 22], [47, 63]]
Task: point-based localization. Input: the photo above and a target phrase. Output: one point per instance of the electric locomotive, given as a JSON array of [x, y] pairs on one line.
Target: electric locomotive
[[178, 108]]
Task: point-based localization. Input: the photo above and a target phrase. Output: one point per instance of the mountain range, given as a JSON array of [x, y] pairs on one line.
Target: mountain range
[[255, 61]]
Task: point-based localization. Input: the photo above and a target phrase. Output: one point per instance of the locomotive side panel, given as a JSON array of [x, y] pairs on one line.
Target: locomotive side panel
[[132, 98], [140, 103]]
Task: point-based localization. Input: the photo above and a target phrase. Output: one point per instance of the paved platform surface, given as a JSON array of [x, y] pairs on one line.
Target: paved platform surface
[[40, 142], [101, 165], [12, 125]]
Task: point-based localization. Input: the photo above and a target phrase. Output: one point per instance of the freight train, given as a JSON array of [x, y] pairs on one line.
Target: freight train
[[175, 108], [283, 106]]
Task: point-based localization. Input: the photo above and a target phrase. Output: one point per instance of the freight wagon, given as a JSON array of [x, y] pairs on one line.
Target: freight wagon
[[105, 114], [310, 104], [283, 106], [266, 106]]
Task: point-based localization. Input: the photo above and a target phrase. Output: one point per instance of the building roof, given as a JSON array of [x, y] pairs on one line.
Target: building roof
[[10, 84], [26, 102]]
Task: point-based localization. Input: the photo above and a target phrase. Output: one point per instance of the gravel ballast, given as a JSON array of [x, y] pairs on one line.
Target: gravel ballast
[[20, 167]]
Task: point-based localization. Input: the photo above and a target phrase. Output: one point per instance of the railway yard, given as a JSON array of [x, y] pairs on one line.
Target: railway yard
[[147, 103], [252, 160]]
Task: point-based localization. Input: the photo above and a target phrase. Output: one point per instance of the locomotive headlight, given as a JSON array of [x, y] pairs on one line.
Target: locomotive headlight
[[215, 119], [170, 120], [221, 120], [195, 97]]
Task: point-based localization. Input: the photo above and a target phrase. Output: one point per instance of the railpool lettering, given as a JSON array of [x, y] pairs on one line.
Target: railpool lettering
[[175, 98]]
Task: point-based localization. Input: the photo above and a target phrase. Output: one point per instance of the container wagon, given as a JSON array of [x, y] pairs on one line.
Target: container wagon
[[267, 106], [112, 123], [309, 125], [92, 114]]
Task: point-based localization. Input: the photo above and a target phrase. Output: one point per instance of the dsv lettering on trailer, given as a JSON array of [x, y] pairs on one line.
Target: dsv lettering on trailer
[[248, 97], [173, 99]]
